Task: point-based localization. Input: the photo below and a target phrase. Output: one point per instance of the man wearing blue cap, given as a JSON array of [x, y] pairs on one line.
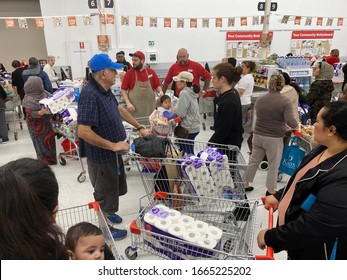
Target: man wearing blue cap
[[102, 135]]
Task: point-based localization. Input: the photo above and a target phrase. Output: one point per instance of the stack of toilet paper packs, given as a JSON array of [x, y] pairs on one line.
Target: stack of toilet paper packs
[[207, 174], [59, 101], [169, 222]]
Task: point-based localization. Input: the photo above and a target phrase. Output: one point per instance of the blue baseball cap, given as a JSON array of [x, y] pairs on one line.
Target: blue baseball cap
[[103, 61]]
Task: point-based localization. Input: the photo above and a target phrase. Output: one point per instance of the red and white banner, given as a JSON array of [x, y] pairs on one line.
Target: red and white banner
[[312, 34], [245, 35]]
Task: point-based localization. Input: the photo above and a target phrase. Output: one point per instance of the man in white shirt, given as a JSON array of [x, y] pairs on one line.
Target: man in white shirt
[[50, 71]]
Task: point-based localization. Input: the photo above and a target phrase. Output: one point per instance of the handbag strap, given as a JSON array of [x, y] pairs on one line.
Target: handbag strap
[[192, 122]]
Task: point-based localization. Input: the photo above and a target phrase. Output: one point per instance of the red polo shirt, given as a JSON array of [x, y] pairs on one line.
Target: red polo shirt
[[193, 67], [129, 78]]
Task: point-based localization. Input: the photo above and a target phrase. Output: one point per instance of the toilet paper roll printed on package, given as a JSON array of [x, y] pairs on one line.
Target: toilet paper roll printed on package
[[177, 230], [174, 215], [162, 224], [191, 236], [186, 221], [214, 232], [207, 241], [199, 226], [150, 218]]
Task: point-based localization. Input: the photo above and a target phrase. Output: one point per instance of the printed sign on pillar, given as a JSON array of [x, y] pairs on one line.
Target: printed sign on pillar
[[9, 23], [39, 23], [104, 42]]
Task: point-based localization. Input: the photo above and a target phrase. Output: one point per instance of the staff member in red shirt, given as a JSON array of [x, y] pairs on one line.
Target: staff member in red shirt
[[138, 88], [184, 64]]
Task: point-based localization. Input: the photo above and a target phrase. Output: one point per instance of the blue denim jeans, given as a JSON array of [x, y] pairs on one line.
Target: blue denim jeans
[[187, 146]]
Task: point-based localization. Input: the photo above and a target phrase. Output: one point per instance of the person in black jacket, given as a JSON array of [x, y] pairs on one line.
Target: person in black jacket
[[3, 123], [312, 208], [228, 117]]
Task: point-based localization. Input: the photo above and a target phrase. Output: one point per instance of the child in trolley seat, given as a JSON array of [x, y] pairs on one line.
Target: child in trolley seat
[[165, 108], [85, 241]]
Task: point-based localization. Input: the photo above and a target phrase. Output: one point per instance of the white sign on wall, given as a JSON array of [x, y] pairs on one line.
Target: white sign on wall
[[79, 54]]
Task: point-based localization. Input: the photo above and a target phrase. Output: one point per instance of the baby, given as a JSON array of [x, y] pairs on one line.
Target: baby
[[85, 241], [165, 106]]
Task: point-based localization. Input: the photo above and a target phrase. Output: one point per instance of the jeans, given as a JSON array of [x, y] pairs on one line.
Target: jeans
[[188, 146]]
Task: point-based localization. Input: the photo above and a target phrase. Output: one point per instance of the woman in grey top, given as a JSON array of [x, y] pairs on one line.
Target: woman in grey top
[[188, 108], [274, 113]]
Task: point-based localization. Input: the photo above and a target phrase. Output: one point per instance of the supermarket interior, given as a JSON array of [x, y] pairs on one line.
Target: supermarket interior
[[279, 37]]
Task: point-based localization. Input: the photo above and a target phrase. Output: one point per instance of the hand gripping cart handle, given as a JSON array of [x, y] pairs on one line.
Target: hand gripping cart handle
[[269, 251]]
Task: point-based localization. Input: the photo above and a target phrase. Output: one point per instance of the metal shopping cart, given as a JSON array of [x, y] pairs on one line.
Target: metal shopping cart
[[196, 175], [87, 213], [70, 145], [206, 105], [13, 105], [223, 234]]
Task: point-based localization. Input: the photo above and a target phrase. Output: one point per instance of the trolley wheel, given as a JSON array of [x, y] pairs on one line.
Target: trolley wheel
[[279, 177], [21, 126], [62, 161], [203, 126], [263, 165], [127, 169], [81, 178], [131, 255], [16, 136], [204, 116]]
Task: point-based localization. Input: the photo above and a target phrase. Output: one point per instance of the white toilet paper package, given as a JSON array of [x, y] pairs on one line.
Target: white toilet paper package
[[170, 223], [197, 176], [59, 100], [208, 173]]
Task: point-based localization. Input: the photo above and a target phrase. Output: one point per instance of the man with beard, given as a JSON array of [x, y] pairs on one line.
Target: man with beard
[[184, 64], [138, 88]]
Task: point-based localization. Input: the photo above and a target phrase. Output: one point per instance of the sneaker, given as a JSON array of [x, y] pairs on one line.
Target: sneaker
[[118, 234], [114, 218], [249, 189], [4, 141]]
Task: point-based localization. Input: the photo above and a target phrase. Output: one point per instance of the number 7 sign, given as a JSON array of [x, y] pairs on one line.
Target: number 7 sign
[[109, 3]]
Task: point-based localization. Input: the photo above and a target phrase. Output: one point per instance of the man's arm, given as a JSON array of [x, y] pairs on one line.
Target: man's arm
[[165, 86], [126, 116], [206, 85], [87, 134]]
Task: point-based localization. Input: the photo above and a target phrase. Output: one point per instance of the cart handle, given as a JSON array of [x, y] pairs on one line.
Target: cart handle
[[160, 195], [95, 205], [297, 133], [134, 228], [269, 251]]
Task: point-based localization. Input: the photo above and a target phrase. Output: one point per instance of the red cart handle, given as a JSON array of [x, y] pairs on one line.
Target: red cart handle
[[269, 251]]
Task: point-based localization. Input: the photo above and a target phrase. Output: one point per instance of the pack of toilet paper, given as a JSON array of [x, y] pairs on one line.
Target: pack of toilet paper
[[168, 222], [197, 176], [207, 174], [69, 115], [59, 101]]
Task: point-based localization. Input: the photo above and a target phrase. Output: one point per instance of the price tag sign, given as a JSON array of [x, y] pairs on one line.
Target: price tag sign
[[92, 4], [109, 4]]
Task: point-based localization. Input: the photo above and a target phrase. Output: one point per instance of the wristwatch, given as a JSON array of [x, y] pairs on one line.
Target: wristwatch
[[141, 127]]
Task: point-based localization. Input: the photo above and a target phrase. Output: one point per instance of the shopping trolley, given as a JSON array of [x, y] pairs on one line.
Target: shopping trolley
[[193, 174], [13, 105], [70, 145], [231, 235], [206, 105], [87, 213]]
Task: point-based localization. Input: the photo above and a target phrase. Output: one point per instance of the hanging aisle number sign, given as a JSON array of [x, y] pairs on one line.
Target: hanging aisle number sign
[[273, 7], [109, 3], [93, 4]]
